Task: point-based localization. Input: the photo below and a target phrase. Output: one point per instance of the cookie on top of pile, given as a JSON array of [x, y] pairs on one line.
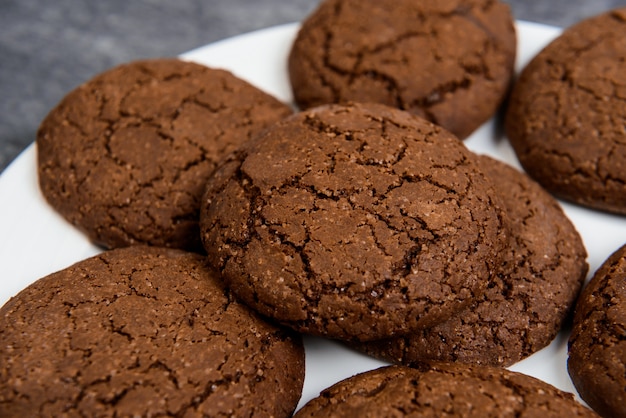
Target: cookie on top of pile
[[356, 222]]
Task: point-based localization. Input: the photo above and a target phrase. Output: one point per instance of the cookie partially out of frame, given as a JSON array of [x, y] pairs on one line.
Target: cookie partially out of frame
[[448, 61], [525, 306], [125, 156], [597, 345], [567, 114], [142, 331], [440, 389], [355, 222]]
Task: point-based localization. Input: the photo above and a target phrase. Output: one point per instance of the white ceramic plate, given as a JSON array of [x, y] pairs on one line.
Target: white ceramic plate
[[35, 241]]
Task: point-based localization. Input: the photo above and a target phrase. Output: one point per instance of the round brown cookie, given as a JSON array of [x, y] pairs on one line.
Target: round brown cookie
[[354, 222], [597, 345], [451, 62], [440, 389], [567, 114], [142, 331], [524, 307], [125, 156]]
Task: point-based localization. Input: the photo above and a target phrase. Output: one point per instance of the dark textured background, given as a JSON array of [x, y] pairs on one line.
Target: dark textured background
[[49, 47]]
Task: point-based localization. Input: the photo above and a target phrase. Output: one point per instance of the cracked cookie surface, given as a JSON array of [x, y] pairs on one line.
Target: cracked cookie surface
[[448, 61], [438, 389], [597, 345], [143, 331], [125, 156], [354, 222], [567, 114], [542, 271]]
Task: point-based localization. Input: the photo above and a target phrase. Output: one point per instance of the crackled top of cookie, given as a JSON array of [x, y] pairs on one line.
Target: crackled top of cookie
[[438, 389], [567, 114], [142, 332], [448, 61], [126, 155], [542, 271], [597, 346], [356, 222]]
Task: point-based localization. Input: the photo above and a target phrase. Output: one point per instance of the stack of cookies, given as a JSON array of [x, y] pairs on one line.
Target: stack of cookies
[[231, 225], [379, 228]]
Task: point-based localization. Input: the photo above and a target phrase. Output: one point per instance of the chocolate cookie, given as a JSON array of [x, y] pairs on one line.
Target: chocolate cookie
[[524, 307], [450, 62], [142, 331], [125, 156], [439, 389], [597, 345], [354, 222], [567, 115]]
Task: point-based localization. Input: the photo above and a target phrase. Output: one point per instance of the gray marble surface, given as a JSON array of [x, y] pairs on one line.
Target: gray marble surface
[[49, 47]]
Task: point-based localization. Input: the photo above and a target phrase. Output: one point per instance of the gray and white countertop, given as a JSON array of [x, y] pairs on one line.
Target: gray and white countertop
[[49, 47]]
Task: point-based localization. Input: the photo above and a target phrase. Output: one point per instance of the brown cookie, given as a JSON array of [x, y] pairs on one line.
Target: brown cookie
[[354, 222], [125, 156], [142, 331], [450, 62], [440, 389], [567, 114], [597, 345], [523, 309]]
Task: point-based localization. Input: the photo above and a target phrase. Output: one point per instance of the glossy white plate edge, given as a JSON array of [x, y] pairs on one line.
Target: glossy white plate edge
[[35, 241]]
